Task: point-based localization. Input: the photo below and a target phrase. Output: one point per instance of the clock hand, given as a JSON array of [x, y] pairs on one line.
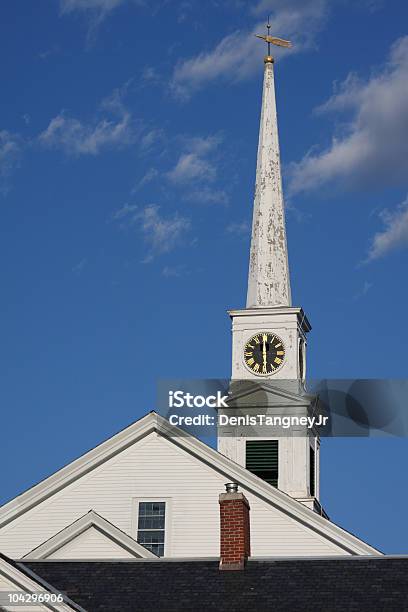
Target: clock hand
[[264, 351]]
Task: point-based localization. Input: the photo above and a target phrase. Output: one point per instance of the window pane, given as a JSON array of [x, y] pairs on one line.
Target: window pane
[[151, 523], [152, 508], [151, 526], [151, 537]]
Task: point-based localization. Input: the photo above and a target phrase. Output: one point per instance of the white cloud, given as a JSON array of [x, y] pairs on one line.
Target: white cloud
[[374, 147], [150, 75], [148, 177], [95, 10], [203, 145], [126, 211], [10, 151], [44, 55], [78, 268], [239, 54], [238, 228], [151, 138], [90, 5], [98, 8], [208, 195], [174, 271], [194, 164], [194, 171], [363, 291], [191, 167], [394, 235], [76, 138], [161, 233]]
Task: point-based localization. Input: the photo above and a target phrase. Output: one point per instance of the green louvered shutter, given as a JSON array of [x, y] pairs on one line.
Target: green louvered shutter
[[262, 459], [312, 467]]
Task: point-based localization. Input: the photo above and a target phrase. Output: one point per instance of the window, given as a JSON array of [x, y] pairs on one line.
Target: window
[[312, 469], [151, 526], [262, 459]]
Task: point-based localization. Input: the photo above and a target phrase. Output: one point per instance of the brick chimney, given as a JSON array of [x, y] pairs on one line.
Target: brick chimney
[[235, 536]]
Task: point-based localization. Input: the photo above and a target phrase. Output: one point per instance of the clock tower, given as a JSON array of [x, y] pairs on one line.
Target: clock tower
[[269, 335]]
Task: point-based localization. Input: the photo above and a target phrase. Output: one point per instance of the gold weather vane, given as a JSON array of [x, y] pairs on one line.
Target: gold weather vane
[[273, 40]]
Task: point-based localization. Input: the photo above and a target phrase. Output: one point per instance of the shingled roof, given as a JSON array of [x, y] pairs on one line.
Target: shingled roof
[[351, 583]]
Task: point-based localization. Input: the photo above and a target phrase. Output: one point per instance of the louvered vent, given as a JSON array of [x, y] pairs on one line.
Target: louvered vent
[[312, 466], [262, 459]]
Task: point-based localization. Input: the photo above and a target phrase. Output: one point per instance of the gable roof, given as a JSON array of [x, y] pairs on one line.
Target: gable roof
[[285, 393], [22, 578], [87, 521], [335, 584], [152, 422]]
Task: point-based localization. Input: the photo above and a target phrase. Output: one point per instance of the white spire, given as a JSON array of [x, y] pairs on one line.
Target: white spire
[[268, 278]]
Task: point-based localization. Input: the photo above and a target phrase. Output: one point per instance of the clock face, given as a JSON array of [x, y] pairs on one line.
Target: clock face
[[264, 353]]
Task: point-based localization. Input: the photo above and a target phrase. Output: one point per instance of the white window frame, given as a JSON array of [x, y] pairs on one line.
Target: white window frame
[[167, 519]]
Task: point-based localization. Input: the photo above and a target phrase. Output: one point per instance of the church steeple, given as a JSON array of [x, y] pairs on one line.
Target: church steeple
[[269, 337], [268, 278]]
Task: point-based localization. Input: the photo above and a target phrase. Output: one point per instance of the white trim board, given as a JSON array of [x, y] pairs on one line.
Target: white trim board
[[75, 529]]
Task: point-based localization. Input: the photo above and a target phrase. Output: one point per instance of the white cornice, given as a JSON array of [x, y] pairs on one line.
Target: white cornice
[[276, 310]]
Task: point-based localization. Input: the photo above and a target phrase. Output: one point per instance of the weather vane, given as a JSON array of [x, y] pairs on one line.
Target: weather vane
[[272, 40]]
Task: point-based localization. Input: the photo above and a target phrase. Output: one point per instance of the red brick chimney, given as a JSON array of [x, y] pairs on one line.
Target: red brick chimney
[[235, 537]]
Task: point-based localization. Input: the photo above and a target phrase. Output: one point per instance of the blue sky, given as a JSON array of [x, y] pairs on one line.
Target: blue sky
[[128, 134]]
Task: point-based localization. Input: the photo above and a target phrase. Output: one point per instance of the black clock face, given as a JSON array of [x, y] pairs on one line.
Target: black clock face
[[264, 353]]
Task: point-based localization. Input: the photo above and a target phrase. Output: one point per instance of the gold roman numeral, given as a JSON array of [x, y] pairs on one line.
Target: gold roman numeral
[[250, 361], [277, 360], [256, 367]]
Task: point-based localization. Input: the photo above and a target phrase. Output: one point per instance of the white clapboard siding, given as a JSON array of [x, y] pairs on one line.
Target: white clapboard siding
[[155, 468], [91, 544]]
